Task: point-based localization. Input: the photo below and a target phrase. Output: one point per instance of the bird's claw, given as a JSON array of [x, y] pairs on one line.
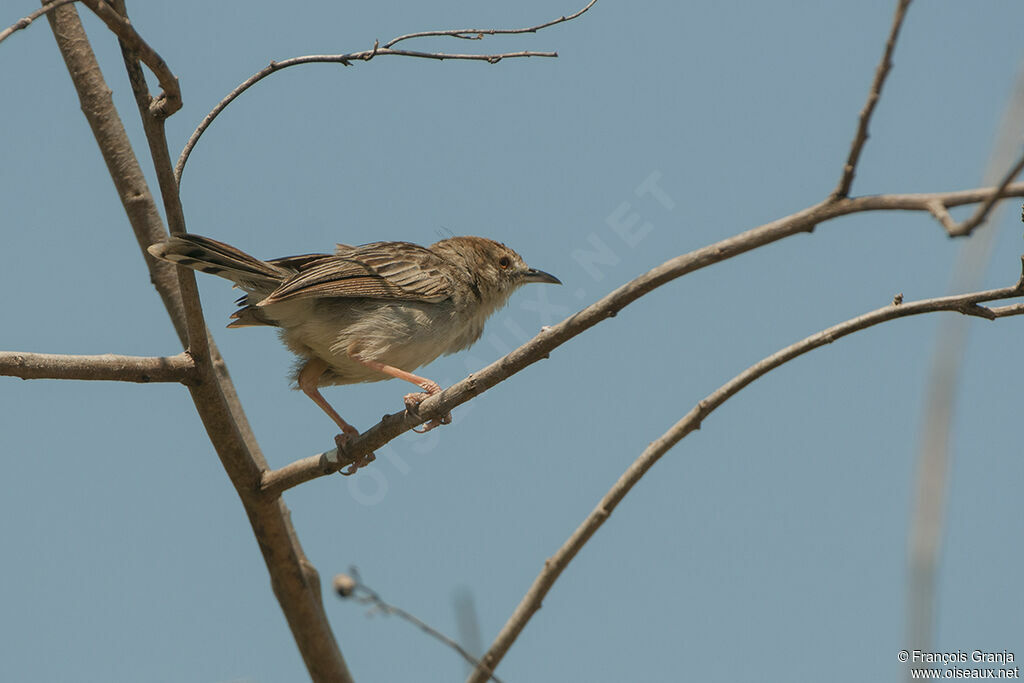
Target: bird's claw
[[412, 404], [436, 422], [340, 440]]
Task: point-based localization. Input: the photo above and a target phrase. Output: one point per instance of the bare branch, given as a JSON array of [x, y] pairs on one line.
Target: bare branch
[[25, 22], [365, 56], [120, 160], [180, 368], [352, 586], [939, 211], [479, 33], [295, 582], [170, 100], [328, 462], [967, 304], [881, 72], [293, 578], [441, 56], [981, 213]]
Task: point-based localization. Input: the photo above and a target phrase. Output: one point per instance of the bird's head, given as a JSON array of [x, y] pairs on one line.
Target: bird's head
[[496, 270]]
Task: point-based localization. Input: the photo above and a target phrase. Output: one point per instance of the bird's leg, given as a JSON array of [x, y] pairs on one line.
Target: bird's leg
[[309, 378], [412, 401]]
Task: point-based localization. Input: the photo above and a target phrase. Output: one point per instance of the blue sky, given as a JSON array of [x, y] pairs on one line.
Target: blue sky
[[770, 545]]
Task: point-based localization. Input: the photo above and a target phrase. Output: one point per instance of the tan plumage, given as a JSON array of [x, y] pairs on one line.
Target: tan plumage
[[366, 313]]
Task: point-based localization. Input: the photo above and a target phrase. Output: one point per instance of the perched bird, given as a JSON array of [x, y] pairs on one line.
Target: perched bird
[[367, 313]]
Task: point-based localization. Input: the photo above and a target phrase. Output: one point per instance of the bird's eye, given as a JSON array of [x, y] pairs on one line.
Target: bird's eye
[[504, 262]]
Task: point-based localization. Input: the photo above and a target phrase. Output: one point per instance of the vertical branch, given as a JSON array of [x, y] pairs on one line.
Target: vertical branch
[[130, 183], [881, 72], [294, 580]]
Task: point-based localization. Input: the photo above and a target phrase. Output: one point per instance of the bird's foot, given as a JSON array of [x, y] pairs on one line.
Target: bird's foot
[[412, 404], [340, 440]]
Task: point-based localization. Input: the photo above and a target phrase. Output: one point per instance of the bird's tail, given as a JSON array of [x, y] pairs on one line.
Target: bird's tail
[[216, 258]]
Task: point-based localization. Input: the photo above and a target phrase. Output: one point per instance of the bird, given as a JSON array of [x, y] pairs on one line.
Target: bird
[[366, 313]]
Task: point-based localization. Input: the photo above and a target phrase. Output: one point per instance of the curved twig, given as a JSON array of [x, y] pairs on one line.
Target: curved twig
[[169, 101], [365, 56], [25, 22], [352, 586], [967, 304], [543, 344], [180, 368], [479, 33]]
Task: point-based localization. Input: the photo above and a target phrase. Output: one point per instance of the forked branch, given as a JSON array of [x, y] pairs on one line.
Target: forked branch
[[366, 55], [967, 304], [293, 578], [169, 101], [551, 338], [981, 213]]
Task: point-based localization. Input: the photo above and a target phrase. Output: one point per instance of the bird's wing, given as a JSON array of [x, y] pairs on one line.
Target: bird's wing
[[383, 270], [297, 263]]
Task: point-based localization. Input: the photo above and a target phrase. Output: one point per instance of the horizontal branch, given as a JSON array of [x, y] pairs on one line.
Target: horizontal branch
[[107, 367], [967, 304], [552, 337], [479, 33]]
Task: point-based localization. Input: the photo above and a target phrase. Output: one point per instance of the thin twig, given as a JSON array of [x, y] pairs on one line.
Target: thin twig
[[180, 368], [981, 213], [25, 22], [479, 33], [543, 344], [939, 211], [351, 586], [881, 72], [365, 56], [344, 59], [169, 100], [967, 304]]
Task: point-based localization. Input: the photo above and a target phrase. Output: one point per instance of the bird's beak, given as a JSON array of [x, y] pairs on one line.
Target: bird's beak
[[534, 275]]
